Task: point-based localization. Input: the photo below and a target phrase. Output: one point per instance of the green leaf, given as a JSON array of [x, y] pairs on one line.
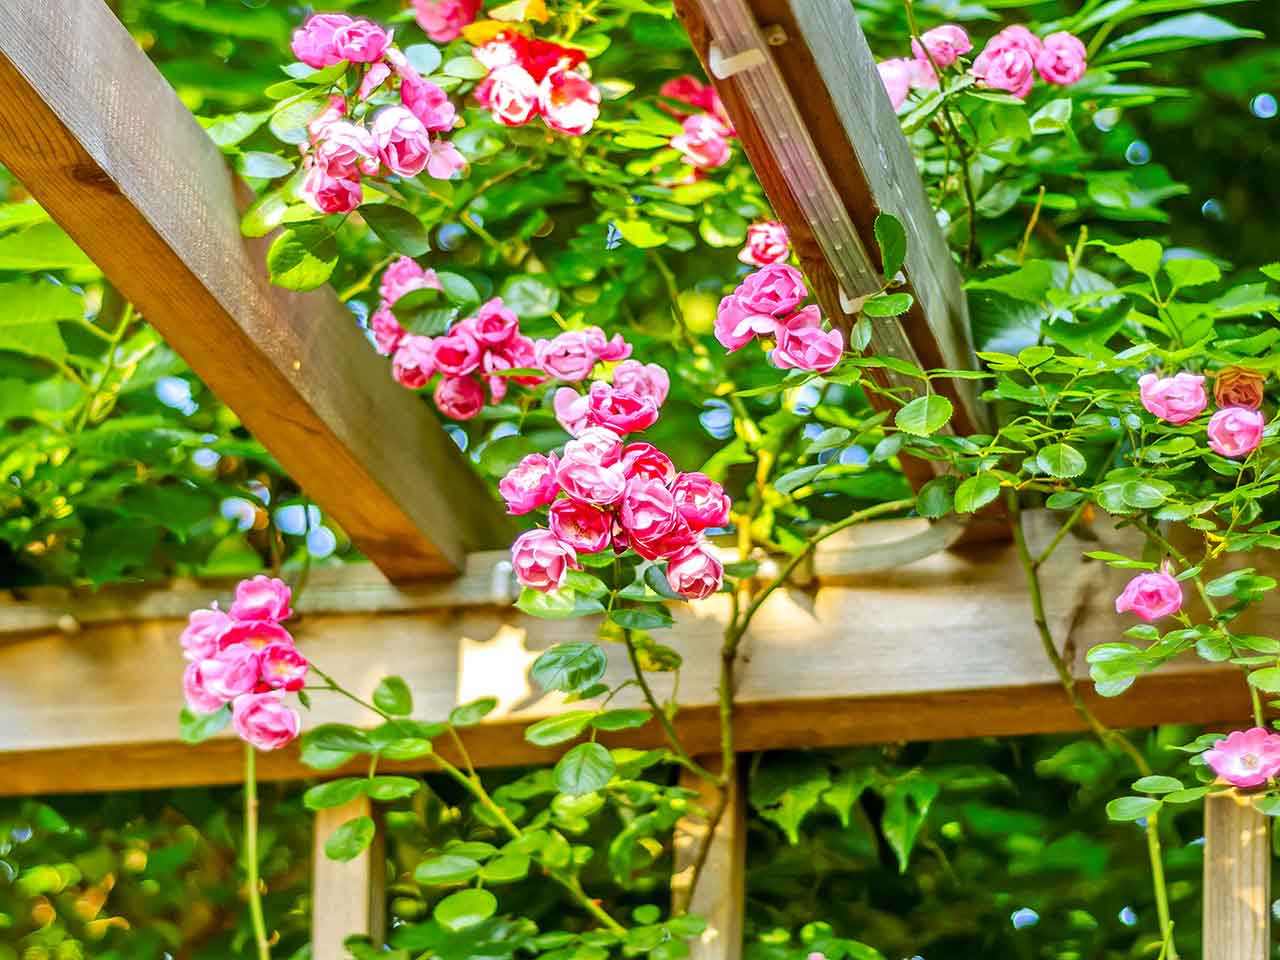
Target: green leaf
[[935, 498], [392, 696], [385, 788], [334, 793], [397, 227], [976, 492], [507, 868], [1157, 784], [924, 415], [888, 305], [423, 57], [465, 909], [586, 768], [339, 737], [1061, 460], [349, 840], [266, 166], [446, 869], [560, 728], [1142, 255], [641, 233], [469, 714], [264, 215], [197, 727], [530, 295], [1175, 33], [1267, 680], [1132, 808], [906, 805], [612, 720], [891, 238], [465, 68], [570, 666], [42, 247], [302, 258], [562, 604], [29, 320], [652, 618], [723, 227], [1185, 272], [797, 478]]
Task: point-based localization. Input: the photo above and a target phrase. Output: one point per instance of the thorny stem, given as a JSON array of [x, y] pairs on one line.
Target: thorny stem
[[251, 852]]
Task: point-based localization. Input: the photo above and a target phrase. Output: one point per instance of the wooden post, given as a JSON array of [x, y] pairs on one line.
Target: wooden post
[[1237, 879], [101, 140], [347, 899], [721, 891]]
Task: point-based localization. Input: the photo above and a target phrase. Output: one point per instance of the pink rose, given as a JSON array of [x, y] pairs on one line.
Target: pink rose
[[1245, 758], [329, 194], [530, 484], [590, 482], [1235, 431], [376, 76], [595, 445], [443, 20], [648, 509], [426, 101], [584, 527], [282, 666], [767, 242], [568, 101], [200, 638], [648, 462], [945, 44], [313, 41], [403, 142], [896, 77], [695, 573], [405, 276], [1016, 37], [701, 501], [457, 354], [510, 94], [808, 348], [642, 379], [1062, 61], [679, 538], [346, 151], [736, 326], [262, 719], [572, 409], [459, 398], [229, 672], [921, 74], [360, 41], [621, 411], [1151, 596], [687, 89], [1010, 69], [335, 110], [518, 353], [254, 634], [568, 356], [262, 598], [387, 332], [199, 699], [541, 561], [495, 324], [1178, 399], [414, 361], [606, 348], [703, 142], [774, 289]]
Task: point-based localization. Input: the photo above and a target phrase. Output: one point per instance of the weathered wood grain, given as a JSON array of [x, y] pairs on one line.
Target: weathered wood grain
[[98, 137], [720, 896], [1237, 880], [347, 899]]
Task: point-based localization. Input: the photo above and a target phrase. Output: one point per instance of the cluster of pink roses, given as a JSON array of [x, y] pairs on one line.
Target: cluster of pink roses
[[403, 139], [529, 78], [706, 131], [1235, 429], [244, 657], [767, 242], [627, 405], [1245, 758], [1010, 61], [603, 493], [763, 305], [443, 20]]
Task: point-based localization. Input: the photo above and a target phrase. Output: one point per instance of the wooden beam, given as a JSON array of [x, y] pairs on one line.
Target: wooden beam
[[720, 896], [1237, 879], [939, 648], [812, 58], [98, 137], [347, 899]]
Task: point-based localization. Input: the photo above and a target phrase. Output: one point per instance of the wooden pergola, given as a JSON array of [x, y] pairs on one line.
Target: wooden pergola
[[894, 634]]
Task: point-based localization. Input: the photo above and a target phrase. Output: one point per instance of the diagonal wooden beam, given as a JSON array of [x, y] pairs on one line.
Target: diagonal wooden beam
[[771, 59], [101, 140]]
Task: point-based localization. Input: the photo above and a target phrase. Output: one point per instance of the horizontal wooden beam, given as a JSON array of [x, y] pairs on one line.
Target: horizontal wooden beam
[[942, 647], [101, 140]]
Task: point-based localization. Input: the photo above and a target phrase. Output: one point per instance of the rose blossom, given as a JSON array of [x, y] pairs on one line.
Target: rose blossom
[[1011, 69], [530, 484], [445, 162], [585, 528], [262, 598], [701, 501], [405, 276], [595, 445], [590, 482], [518, 353], [457, 353], [346, 151], [679, 538], [775, 289], [1235, 431], [425, 100], [648, 509], [808, 348], [642, 379], [1238, 387], [334, 110], [199, 700], [1062, 60], [1245, 758], [703, 142], [403, 142], [313, 41], [572, 409], [568, 101], [443, 20], [360, 41], [541, 561], [606, 348], [495, 323], [510, 94], [944, 44], [282, 666], [414, 361], [688, 89], [254, 634], [647, 461], [1015, 37], [263, 720], [767, 242], [695, 573], [1178, 399], [376, 76], [736, 326], [331, 194], [200, 638], [896, 76], [459, 398], [230, 672], [620, 410], [1151, 596], [387, 332], [568, 356]]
